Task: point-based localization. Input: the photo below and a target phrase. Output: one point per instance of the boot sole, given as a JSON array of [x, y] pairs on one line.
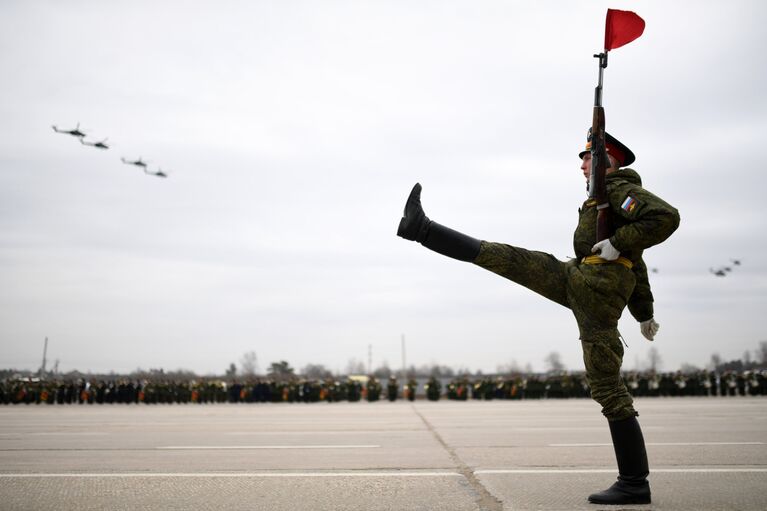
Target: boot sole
[[621, 503]]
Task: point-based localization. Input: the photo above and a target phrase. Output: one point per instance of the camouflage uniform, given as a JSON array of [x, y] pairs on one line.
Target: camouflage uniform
[[597, 293]]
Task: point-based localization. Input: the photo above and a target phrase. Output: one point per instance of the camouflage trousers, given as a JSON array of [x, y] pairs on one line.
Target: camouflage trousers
[[597, 295]]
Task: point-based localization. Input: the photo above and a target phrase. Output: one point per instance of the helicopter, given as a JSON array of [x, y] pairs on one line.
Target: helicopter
[[101, 144], [159, 173], [138, 163], [74, 132], [724, 270]]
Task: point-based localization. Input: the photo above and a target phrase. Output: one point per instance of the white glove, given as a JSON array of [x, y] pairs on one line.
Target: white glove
[[606, 250], [649, 328]]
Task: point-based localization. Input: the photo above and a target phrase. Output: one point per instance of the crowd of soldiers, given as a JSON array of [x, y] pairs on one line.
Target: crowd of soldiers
[[261, 390], [256, 390]]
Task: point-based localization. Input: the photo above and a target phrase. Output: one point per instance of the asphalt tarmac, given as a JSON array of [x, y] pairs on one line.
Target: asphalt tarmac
[[705, 453]]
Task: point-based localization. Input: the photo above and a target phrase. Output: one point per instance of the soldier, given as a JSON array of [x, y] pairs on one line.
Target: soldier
[[554, 386], [680, 382], [391, 388], [354, 390], [451, 391], [596, 286], [410, 389], [667, 385], [433, 389], [488, 389], [534, 388], [633, 383], [724, 383], [517, 388], [705, 381], [712, 383], [740, 378], [373, 389], [462, 390], [584, 389]]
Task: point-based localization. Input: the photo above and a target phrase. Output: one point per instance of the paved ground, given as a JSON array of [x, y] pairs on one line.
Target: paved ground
[[705, 453]]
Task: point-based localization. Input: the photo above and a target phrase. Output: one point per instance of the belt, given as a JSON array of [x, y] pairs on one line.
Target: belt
[[595, 259]]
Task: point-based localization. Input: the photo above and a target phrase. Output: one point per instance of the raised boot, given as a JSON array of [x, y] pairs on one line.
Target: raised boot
[[632, 486], [416, 226]]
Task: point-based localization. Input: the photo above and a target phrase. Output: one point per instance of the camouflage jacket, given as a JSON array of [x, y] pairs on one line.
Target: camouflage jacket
[[640, 220]]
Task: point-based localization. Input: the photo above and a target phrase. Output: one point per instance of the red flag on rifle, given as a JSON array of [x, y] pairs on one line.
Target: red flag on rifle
[[621, 28]]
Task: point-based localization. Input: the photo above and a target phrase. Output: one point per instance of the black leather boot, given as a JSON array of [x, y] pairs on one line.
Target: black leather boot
[[632, 486], [416, 226]]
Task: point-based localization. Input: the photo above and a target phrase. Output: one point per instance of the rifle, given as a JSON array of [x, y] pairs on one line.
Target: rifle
[[621, 27], [599, 160]]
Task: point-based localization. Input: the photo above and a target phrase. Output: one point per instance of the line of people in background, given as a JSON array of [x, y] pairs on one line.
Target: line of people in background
[[256, 390], [260, 390]]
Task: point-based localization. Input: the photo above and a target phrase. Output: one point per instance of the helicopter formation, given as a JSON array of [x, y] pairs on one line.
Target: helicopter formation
[[722, 271], [102, 144], [144, 165], [76, 132]]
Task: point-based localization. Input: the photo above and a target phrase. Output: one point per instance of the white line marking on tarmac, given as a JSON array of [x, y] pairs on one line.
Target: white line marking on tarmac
[[74, 433], [54, 433], [244, 474], [216, 447], [661, 443], [612, 471], [378, 474], [317, 433]]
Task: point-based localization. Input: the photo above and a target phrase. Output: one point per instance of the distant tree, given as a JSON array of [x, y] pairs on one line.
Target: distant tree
[[281, 370], [249, 363], [181, 374], [232, 371], [654, 359], [761, 353], [438, 371], [316, 372], [689, 368], [732, 365], [383, 372], [511, 368], [746, 358], [463, 371], [355, 366], [553, 362], [716, 361]]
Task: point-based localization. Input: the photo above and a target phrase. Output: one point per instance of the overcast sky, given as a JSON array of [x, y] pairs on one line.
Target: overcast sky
[[293, 132]]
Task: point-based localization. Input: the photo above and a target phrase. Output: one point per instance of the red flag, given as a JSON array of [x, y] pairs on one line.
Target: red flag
[[621, 28]]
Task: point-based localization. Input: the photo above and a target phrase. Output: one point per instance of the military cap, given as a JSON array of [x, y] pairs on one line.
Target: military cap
[[615, 147]]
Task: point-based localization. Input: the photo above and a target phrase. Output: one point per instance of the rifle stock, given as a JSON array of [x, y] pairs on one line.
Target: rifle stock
[[599, 161], [599, 165]]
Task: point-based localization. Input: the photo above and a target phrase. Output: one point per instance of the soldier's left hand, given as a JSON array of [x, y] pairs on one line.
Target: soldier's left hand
[[606, 250], [649, 328]]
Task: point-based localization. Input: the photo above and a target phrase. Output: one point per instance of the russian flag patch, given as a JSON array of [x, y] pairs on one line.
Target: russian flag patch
[[629, 204]]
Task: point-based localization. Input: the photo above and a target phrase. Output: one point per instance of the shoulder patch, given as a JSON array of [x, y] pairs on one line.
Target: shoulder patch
[[629, 204]]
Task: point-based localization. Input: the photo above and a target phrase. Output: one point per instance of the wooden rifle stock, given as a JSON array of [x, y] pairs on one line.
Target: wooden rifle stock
[[599, 161], [599, 165]]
